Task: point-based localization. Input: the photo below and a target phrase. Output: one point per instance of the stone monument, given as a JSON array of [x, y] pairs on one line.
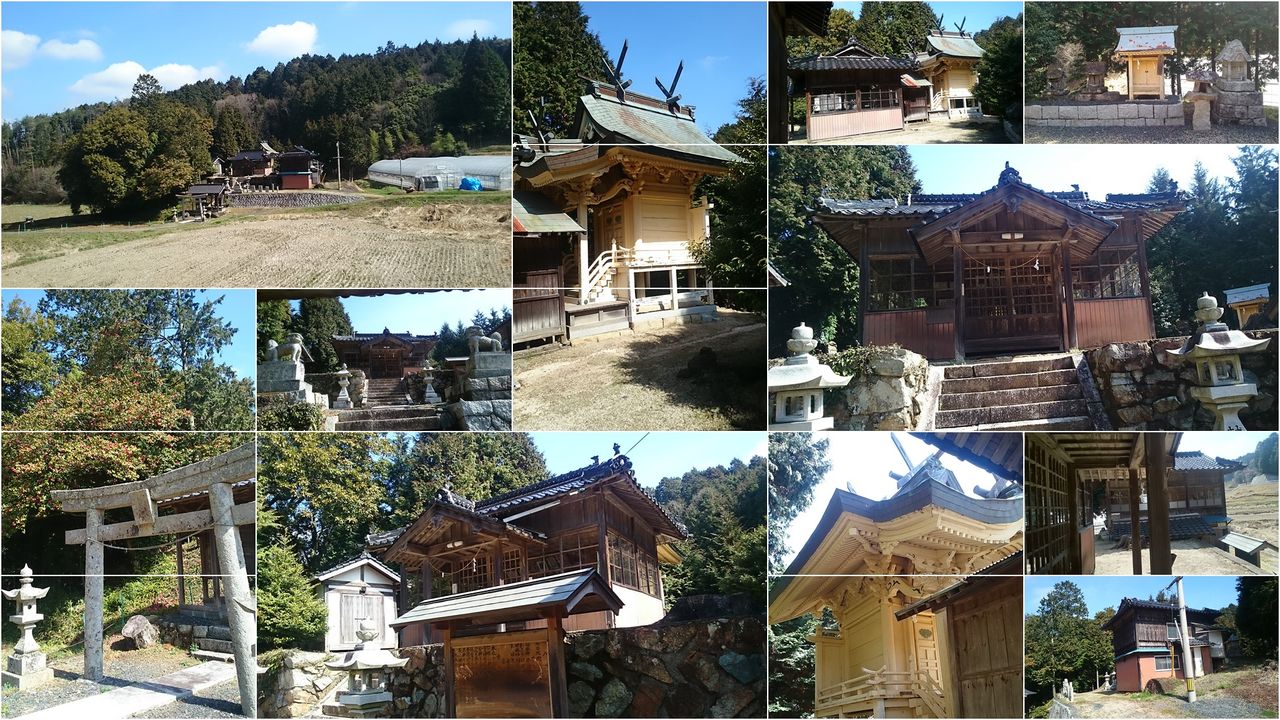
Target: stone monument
[[343, 401], [486, 389], [1202, 96], [1216, 350], [367, 693], [797, 386], [1239, 100], [283, 376], [27, 667]]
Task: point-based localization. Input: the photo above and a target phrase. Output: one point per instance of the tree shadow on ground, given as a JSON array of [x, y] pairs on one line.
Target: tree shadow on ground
[[718, 367]]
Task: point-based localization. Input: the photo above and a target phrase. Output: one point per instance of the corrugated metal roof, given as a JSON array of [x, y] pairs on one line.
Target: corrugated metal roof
[[537, 214], [824, 62], [1146, 39], [955, 45], [653, 126], [1243, 543], [578, 591]]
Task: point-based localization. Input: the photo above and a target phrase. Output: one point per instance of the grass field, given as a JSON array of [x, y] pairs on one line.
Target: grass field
[[445, 239]]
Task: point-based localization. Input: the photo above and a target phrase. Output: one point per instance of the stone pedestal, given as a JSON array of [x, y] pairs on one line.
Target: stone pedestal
[[489, 364], [1226, 402], [1202, 112], [287, 380]]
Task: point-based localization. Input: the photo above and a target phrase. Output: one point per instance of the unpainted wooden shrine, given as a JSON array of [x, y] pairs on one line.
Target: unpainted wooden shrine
[[1074, 478], [361, 588], [1143, 50], [628, 179], [950, 62], [1014, 269], [899, 628], [595, 517], [212, 500], [493, 669]]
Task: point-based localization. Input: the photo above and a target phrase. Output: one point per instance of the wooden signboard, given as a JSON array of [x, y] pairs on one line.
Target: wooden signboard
[[503, 675]]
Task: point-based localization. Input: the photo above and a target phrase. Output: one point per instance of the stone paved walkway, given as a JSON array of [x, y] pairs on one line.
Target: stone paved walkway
[[144, 696]]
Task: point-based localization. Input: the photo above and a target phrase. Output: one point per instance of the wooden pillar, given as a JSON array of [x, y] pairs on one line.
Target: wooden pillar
[[864, 286], [1073, 519], [1068, 286], [450, 693], [957, 289], [1144, 275], [584, 249], [240, 600], [92, 595], [1128, 76], [556, 666], [631, 298], [1158, 504], [1135, 521]]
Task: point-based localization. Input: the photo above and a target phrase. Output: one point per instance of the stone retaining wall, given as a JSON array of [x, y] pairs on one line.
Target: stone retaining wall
[[296, 685], [1144, 387], [327, 384], [418, 687], [889, 391], [1125, 114], [290, 199]]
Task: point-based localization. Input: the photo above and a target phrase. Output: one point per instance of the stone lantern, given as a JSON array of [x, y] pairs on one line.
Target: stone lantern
[[798, 384], [1095, 76], [1216, 350], [343, 401], [367, 692], [1201, 96], [26, 667], [1235, 62]]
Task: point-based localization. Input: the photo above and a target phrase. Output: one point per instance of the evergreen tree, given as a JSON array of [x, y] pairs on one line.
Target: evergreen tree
[[1256, 616], [895, 29], [556, 48], [999, 86], [290, 613], [275, 320], [797, 464], [792, 668], [483, 93], [318, 320], [1062, 641], [231, 133], [1161, 182]]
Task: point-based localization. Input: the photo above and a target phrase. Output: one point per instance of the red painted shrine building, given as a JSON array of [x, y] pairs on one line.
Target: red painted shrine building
[[1014, 269]]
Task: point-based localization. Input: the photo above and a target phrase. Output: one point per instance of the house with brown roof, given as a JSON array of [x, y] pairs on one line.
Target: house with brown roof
[[1147, 639]]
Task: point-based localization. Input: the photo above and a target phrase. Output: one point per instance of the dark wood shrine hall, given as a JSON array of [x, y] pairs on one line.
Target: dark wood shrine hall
[[1014, 269]]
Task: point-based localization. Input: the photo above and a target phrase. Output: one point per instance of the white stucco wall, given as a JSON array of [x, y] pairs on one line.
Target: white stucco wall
[[637, 608]]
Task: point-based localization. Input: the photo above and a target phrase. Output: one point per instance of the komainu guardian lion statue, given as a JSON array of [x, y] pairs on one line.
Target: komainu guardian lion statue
[[478, 342], [291, 350]]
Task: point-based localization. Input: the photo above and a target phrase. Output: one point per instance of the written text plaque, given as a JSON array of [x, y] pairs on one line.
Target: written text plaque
[[504, 675]]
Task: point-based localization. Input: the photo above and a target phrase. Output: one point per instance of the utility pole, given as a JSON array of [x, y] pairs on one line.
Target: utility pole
[[1188, 668]]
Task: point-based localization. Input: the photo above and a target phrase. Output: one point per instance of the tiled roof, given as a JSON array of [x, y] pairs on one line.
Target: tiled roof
[[365, 337], [1202, 615], [826, 62], [362, 557], [1181, 527], [927, 204], [1199, 461]]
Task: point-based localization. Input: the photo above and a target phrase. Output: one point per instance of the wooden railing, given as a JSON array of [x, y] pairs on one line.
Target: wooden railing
[[858, 696]]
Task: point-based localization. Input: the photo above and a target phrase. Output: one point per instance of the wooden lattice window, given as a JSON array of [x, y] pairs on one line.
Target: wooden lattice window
[[1049, 531], [907, 283], [1110, 273], [986, 290], [474, 574], [873, 97], [632, 567], [512, 566], [572, 552]]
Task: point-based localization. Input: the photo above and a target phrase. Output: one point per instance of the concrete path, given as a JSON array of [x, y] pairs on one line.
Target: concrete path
[[125, 701]]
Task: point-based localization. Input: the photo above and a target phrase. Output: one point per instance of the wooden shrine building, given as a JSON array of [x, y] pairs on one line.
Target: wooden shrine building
[[258, 162], [628, 180], [855, 90], [597, 517], [385, 354], [361, 588], [1010, 270], [1143, 50], [949, 63], [902, 634], [1147, 639]]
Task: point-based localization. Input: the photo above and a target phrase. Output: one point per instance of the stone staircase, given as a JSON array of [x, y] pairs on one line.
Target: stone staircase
[[1042, 394], [387, 408], [209, 632], [382, 392]]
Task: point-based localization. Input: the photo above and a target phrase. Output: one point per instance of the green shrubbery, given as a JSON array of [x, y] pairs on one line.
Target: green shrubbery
[[289, 613], [290, 416]]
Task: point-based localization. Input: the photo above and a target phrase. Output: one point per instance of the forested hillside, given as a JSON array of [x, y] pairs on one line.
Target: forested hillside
[[434, 98]]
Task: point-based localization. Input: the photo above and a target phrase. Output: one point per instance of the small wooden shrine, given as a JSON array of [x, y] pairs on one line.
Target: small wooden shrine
[[1143, 50], [1013, 269], [855, 90], [900, 634], [361, 588], [950, 64], [595, 517], [385, 354], [628, 179]]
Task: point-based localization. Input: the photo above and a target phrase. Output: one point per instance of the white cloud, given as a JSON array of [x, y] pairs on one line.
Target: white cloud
[[17, 48], [79, 50], [285, 41], [465, 28], [710, 61], [117, 80]]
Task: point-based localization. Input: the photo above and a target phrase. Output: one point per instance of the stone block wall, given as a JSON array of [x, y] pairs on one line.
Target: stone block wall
[[289, 199], [1122, 114], [296, 684], [887, 391], [418, 688], [1238, 103], [1144, 387]]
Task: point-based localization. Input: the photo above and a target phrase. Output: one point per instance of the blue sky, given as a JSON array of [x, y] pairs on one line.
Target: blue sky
[[1099, 169], [1102, 591], [976, 15], [61, 54], [864, 460], [420, 313], [238, 308], [722, 45], [1228, 445], [659, 455]]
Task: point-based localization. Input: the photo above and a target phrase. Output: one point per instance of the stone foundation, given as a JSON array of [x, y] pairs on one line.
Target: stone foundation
[[327, 384], [297, 685], [418, 688], [1122, 114], [480, 414], [289, 199], [888, 390], [1238, 103], [1144, 387]]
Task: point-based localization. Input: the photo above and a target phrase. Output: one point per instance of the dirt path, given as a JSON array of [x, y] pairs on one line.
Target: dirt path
[[1246, 692], [1193, 558], [956, 131], [633, 382], [450, 245]]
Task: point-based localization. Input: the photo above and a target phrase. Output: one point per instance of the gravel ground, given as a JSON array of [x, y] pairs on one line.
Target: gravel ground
[[957, 131], [1230, 134], [219, 701], [1219, 696], [121, 667], [633, 381], [1193, 558]]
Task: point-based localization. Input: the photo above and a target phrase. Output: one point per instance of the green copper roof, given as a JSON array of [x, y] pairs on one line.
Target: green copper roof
[[653, 126]]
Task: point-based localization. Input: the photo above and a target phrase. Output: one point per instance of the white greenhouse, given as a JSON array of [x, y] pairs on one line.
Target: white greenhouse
[[441, 173]]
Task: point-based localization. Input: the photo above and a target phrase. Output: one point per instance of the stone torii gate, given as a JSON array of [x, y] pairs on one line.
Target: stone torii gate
[[214, 477]]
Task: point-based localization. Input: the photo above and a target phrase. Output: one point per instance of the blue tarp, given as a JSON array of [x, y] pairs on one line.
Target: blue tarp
[[470, 183]]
